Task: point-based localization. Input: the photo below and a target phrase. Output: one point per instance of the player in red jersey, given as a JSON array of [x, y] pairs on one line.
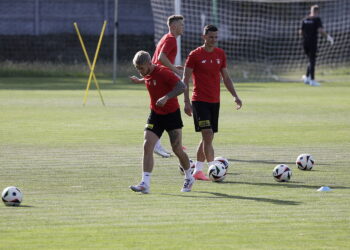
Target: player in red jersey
[[165, 54], [205, 64], [166, 49], [163, 87]]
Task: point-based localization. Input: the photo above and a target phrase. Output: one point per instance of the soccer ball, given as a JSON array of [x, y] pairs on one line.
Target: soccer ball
[[217, 171], [192, 166], [282, 173], [305, 162], [222, 160], [12, 196]]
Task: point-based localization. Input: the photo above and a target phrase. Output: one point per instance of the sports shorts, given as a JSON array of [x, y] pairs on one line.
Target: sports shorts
[[310, 49], [158, 123], [205, 115]]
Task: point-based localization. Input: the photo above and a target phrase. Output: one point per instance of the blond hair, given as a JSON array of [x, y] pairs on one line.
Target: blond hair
[[141, 57], [174, 18]]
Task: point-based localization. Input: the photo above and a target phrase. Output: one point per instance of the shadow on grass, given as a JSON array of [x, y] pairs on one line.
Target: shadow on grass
[[233, 173], [25, 206], [21, 206], [267, 162], [284, 184], [216, 195]]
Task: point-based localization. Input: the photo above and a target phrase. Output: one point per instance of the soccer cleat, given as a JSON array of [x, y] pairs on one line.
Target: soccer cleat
[[159, 150], [188, 185], [314, 83], [142, 187], [199, 175], [306, 79]]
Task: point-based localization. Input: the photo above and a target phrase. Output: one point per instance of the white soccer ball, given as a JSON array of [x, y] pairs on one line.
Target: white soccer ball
[[12, 196], [192, 166], [305, 162], [223, 160], [282, 173], [217, 171]]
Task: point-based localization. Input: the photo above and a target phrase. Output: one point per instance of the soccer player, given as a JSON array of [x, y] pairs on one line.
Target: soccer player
[[165, 54], [205, 64], [311, 26], [163, 87]]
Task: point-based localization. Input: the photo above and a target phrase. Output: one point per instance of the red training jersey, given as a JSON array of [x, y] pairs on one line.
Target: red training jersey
[[159, 83], [168, 46], [206, 73]]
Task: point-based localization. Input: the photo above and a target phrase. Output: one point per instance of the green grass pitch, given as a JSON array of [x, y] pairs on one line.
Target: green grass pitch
[[74, 165]]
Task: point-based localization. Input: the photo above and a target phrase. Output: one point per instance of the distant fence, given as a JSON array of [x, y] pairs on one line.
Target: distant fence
[[42, 30]]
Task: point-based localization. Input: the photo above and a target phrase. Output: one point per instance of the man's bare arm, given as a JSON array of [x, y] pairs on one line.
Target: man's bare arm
[[186, 79], [177, 90], [229, 85], [326, 35], [166, 62], [136, 80]]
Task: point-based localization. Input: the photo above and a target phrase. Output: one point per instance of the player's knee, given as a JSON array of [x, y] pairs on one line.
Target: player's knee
[[148, 147], [208, 135]]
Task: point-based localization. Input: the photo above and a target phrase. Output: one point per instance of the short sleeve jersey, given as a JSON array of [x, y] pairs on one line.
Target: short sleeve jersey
[[206, 68], [160, 82], [167, 45], [310, 26]]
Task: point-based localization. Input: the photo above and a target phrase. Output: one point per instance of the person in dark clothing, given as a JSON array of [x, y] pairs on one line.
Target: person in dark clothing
[[311, 26]]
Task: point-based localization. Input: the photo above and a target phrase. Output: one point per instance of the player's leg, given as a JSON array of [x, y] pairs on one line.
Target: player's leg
[[199, 165], [153, 132], [175, 137], [150, 140], [200, 152], [312, 63], [201, 119], [174, 126], [306, 78], [207, 143], [176, 144], [214, 109], [308, 70], [313, 52]]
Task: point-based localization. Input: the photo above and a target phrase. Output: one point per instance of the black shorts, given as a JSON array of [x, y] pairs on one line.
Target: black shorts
[[205, 115], [158, 123], [310, 49]]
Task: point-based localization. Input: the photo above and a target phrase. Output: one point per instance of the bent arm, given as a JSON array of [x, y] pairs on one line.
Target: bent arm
[[177, 90], [326, 35], [166, 62], [136, 80]]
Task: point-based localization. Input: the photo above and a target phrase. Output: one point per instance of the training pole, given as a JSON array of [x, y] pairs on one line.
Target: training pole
[[91, 67]]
